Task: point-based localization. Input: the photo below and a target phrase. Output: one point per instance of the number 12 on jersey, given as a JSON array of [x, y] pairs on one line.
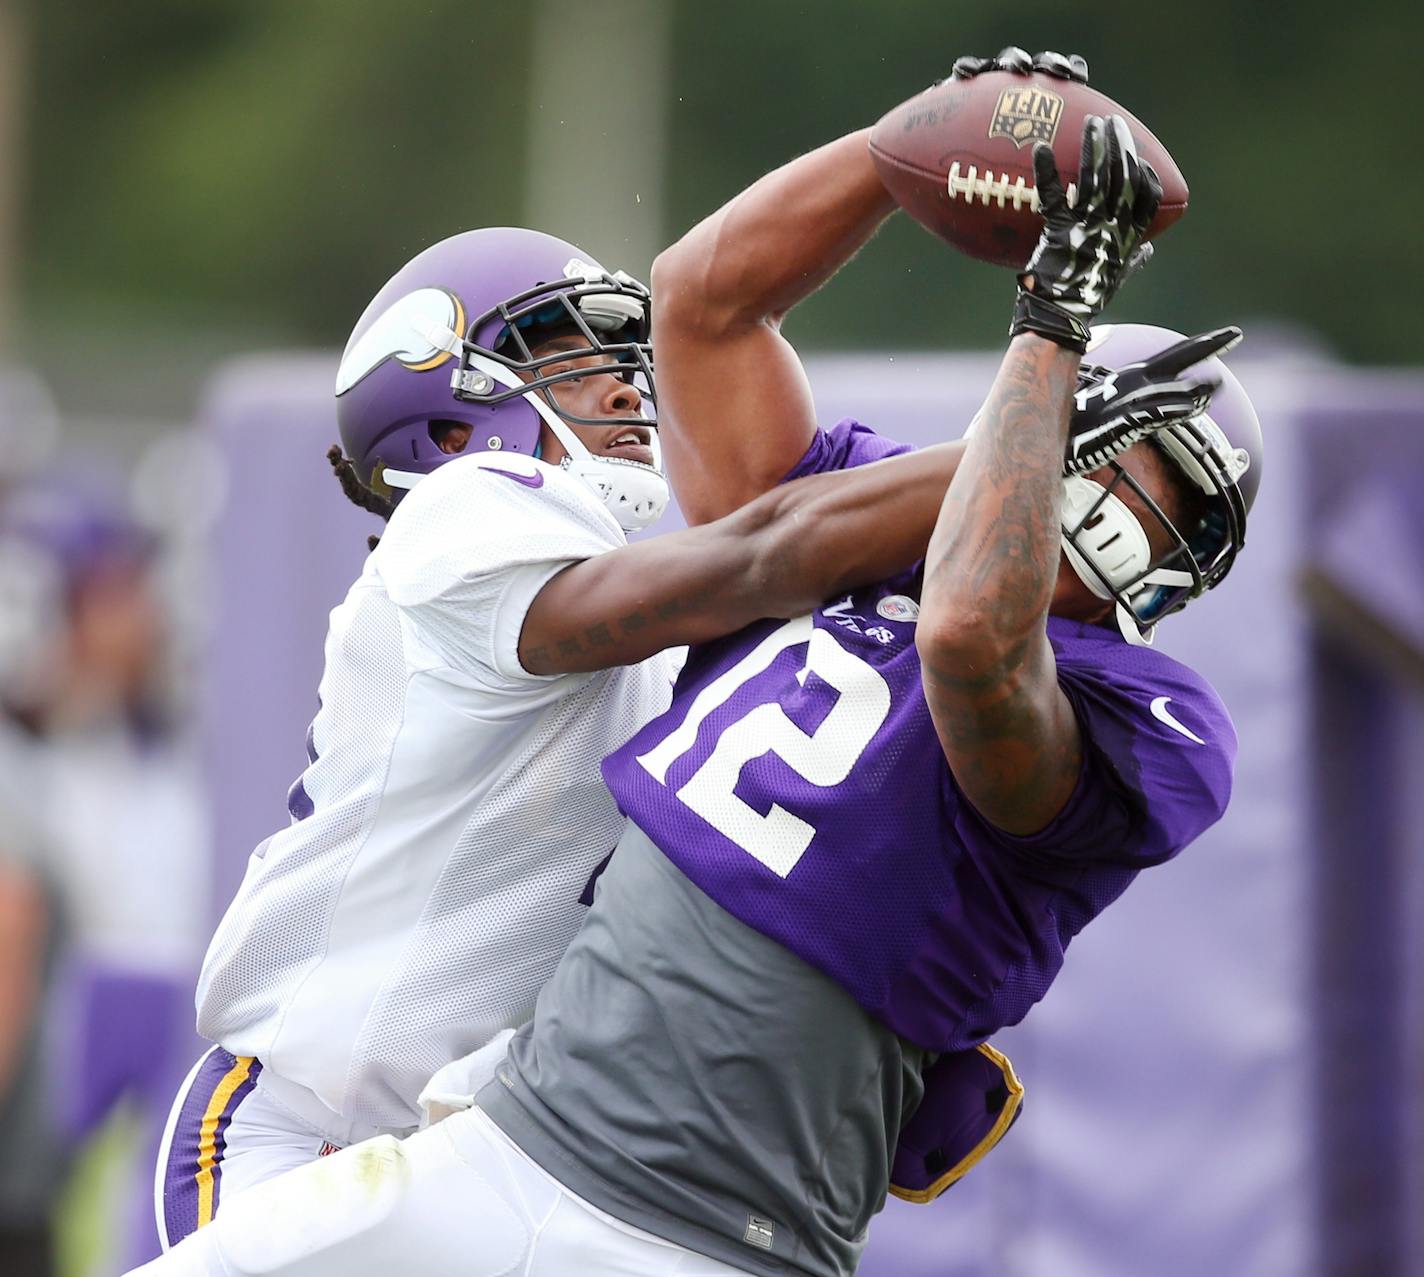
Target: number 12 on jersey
[[822, 757]]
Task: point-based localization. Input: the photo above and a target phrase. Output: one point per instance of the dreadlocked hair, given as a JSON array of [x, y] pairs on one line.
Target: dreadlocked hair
[[356, 491]]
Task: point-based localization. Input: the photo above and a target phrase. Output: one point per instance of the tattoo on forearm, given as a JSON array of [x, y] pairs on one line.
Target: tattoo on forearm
[[997, 538], [999, 734], [995, 552], [605, 634]]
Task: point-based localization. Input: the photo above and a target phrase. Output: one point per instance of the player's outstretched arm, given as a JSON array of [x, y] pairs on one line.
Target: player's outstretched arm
[[988, 669], [990, 678], [778, 556], [734, 407], [733, 401]]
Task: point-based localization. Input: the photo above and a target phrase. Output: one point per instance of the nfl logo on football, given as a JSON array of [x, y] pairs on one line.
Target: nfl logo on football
[[1027, 115]]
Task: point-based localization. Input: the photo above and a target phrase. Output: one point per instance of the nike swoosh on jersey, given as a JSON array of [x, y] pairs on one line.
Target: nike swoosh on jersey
[[535, 480], [1163, 714]]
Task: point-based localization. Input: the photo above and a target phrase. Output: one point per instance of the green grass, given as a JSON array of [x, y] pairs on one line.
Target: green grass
[[97, 1200]]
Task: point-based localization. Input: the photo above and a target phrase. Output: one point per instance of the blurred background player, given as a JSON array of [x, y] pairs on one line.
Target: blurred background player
[[720, 1067], [31, 1148], [118, 864], [30, 1145]]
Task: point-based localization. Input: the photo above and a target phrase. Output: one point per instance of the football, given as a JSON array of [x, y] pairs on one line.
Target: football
[[958, 158]]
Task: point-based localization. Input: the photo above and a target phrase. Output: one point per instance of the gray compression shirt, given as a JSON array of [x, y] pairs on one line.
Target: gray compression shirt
[[693, 1078]]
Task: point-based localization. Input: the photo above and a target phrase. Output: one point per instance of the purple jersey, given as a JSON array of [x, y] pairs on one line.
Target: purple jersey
[[798, 781]]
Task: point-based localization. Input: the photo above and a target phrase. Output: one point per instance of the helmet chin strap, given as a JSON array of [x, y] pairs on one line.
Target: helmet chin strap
[[1113, 551], [634, 494], [1130, 630]]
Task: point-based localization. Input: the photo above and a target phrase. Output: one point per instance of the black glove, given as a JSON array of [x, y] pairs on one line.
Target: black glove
[[1113, 409], [1070, 67], [1087, 249]]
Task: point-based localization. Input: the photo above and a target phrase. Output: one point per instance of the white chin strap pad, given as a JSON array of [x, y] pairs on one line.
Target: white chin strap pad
[[636, 495], [1114, 542]]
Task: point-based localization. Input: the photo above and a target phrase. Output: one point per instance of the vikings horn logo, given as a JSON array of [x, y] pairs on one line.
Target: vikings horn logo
[[1027, 115], [415, 330]]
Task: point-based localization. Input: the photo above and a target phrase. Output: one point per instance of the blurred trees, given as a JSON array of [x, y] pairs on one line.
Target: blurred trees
[[261, 163], [14, 98], [246, 172], [1303, 203]]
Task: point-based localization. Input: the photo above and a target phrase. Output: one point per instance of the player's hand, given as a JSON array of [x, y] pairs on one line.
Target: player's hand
[[1114, 409], [1071, 66], [1089, 247]]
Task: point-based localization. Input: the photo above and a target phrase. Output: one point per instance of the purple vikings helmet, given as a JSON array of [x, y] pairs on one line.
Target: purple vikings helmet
[[447, 339], [1219, 454]]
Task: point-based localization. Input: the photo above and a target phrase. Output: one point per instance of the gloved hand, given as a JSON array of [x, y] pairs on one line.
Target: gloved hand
[[1114, 408], [1069, 67], [1087, 249]]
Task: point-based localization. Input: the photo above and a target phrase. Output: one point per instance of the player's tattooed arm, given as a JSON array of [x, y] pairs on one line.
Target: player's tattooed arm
[[989, 673], [990, 680], [606, 640], [779, 556], [734, 405]]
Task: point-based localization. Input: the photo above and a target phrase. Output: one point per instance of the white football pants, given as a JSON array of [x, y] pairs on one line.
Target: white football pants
[[234, 1125], [457, 1200]]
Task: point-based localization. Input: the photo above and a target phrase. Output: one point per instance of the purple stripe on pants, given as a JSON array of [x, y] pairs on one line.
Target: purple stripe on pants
[[191, 1181]]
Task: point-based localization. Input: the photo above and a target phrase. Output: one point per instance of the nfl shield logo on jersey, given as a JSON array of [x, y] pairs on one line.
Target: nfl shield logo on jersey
[[898, 607]]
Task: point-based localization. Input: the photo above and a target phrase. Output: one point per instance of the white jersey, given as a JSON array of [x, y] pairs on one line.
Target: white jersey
[[127, 843], [453, 811]]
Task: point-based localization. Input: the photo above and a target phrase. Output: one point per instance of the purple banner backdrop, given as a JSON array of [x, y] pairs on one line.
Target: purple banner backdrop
[[1169, 1127], [1410, 903], [1364, 583], [1166, 1121], [285, 549]]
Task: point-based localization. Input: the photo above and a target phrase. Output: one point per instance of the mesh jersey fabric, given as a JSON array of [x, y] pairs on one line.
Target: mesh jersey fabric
[[452, 809], [797, 778]]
